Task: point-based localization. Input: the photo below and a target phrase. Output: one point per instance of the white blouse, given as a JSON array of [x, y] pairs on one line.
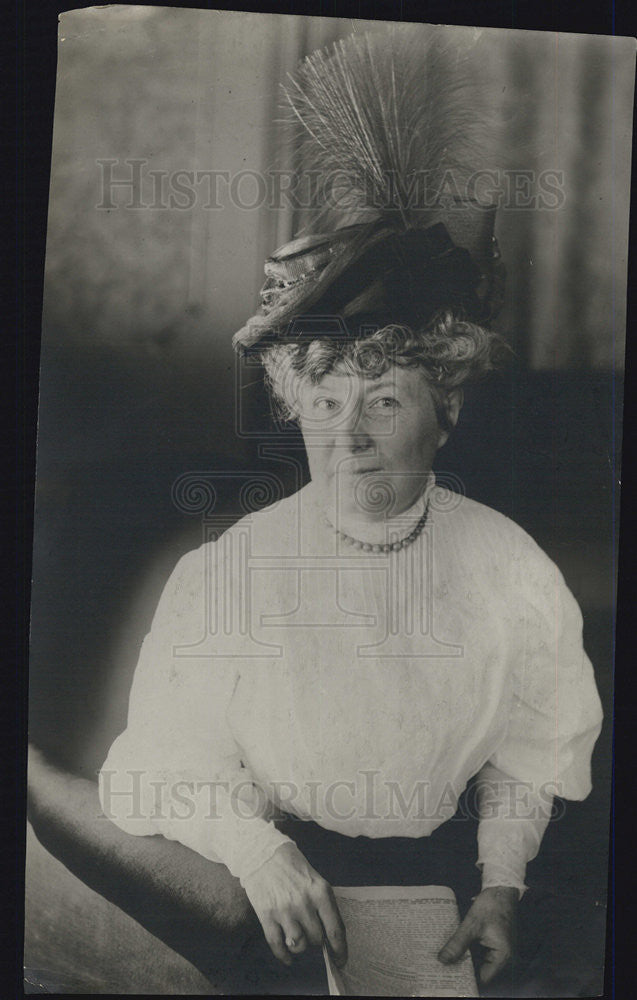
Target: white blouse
[[286, 670]]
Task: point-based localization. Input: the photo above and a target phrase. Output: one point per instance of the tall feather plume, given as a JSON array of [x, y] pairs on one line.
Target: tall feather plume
[[390, 127], [386, 120]]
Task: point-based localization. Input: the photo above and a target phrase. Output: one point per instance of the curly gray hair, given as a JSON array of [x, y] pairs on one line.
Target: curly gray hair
[[450, 351]]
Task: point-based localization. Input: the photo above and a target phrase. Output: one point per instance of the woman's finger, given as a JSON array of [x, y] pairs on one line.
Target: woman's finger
[[458, 943], [334, 928], [295, 939], [312, 926], [494, 962], [274, 936]]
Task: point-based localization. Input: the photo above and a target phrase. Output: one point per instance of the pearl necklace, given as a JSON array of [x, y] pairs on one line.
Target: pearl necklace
[[403, 543]]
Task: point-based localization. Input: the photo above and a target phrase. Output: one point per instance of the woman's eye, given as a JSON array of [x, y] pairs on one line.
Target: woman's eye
[[325, 403], [385, 403]]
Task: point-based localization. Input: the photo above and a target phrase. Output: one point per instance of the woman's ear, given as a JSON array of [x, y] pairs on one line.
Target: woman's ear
[[452, 404]]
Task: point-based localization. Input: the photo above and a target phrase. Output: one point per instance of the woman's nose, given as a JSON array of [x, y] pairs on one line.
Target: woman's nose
[[353, 432]]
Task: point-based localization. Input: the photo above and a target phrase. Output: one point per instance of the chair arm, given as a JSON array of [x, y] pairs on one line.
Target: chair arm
[[194, 905]]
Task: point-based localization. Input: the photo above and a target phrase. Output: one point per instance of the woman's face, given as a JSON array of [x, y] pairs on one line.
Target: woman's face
[[371, 441]]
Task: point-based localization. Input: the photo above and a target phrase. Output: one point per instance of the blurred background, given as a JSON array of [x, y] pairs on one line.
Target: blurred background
[[139, 383]]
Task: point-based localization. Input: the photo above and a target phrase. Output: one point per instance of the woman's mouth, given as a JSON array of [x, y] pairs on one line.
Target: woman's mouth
[[363, 470]]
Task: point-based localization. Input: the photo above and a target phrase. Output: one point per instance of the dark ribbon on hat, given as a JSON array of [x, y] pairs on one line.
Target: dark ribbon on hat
[[333, 285], [413, 272]]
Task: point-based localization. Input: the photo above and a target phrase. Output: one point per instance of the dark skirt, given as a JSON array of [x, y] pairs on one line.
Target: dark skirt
[[447, 857]]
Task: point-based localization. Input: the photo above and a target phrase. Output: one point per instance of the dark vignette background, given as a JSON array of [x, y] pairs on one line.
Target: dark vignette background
[[569, 415]]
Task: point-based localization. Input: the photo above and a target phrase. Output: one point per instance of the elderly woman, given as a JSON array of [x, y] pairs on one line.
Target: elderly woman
[[322, 684]]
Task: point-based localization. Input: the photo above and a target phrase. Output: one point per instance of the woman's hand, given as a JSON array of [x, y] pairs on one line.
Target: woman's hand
[[295, 906], [491, 922]]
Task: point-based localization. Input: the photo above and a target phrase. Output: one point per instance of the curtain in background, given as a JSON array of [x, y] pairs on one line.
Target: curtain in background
[[183, 90], [569, 110]]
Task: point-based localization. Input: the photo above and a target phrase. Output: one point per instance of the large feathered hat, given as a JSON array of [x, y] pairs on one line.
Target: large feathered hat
[[389, 130]]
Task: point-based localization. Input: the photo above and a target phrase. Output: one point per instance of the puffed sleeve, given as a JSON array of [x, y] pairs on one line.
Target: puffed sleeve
[[176, 770], [554, 720], [556, 715]]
